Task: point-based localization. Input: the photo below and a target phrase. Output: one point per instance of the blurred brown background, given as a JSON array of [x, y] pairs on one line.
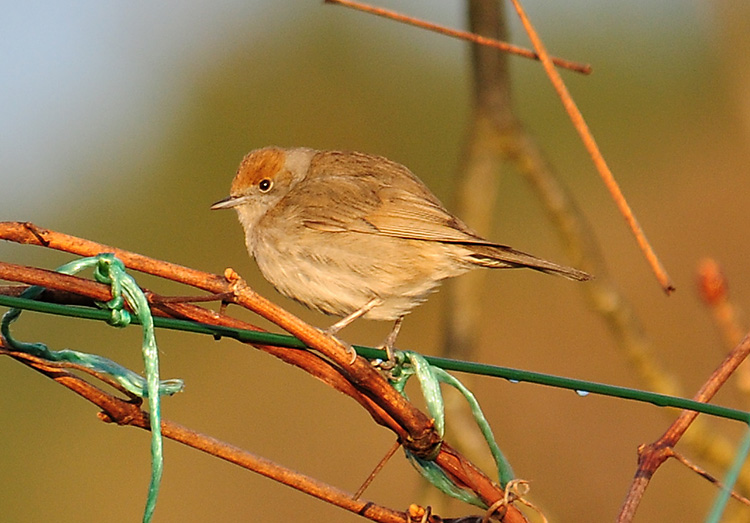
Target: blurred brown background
[[124, 122]]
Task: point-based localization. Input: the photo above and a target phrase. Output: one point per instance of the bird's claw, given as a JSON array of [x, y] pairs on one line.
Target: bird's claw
[[390, 360], [347, 346]]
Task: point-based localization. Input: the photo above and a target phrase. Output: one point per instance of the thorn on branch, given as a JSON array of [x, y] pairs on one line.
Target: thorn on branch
[[38, 233]]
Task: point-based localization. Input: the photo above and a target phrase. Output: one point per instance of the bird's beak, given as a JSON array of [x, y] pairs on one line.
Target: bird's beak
[[226, 203]]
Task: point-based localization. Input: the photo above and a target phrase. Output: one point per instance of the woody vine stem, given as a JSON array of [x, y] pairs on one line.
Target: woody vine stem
[[329, 361]]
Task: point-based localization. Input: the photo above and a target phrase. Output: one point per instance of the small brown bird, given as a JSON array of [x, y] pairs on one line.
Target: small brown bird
[[356, 235]]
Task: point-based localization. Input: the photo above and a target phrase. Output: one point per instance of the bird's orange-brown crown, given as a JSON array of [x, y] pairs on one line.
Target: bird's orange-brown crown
[[257, 165]]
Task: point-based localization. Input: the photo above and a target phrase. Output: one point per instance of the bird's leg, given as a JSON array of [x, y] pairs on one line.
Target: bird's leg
[[390, 344], [343, 322]]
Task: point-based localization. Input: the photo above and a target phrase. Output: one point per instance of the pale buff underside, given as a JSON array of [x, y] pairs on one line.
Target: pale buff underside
[[349, 269]]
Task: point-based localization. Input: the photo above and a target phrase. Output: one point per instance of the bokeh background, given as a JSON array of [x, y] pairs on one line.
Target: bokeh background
[[123, 121]]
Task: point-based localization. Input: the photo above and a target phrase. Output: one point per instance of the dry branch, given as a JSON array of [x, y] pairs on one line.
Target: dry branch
[[463, 35], [651, 456], [123, 412], [599, 162], [359, 380]]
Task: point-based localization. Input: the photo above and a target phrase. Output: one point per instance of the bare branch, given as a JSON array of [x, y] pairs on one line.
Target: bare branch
[[359, 380]]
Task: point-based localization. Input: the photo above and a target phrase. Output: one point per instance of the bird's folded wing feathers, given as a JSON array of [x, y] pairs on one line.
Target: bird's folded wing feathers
[[353, 204], [356, 204]]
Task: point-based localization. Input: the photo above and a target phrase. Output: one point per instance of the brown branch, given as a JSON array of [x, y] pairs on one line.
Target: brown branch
[[599, 162], [63, 287], [358, 380], [421, 437], [128, 413], [29, 234], [478, 174], [706, 475], [713, 289], [463, 35], [476, 181], [69, 286], [651, 456]]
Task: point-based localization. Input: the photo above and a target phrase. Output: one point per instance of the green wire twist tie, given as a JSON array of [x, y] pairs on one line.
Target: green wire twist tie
[[414, 364], [109, 270]]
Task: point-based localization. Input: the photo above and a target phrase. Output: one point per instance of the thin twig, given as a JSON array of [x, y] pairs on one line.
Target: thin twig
[[127, 413], [463, 35], [601, 165], [388, 455], [713, 288], [651, 456], [705, 474]]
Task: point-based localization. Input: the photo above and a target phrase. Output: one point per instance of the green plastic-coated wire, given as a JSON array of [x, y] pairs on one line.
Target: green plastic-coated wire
[[582, 387], [108, 269], [129, 380]]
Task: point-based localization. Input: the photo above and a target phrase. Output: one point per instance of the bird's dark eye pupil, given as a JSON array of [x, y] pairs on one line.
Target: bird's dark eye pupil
[[264, 185]]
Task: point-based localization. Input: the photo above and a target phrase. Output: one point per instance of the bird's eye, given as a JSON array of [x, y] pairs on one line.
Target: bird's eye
[[265, 185]]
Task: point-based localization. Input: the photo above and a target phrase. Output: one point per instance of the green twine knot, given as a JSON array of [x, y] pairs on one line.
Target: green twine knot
[[125, 291], [110, 271], [410, 364], [119, 318]]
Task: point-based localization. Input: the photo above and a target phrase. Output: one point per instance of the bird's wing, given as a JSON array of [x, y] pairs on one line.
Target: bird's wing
[[407, 214], [372, 205], [392, 202]]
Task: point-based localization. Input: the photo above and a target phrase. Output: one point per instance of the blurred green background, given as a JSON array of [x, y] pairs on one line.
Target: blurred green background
[[122, 122]]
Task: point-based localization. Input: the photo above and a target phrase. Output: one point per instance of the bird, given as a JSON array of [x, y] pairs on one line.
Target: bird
[[355, 235]]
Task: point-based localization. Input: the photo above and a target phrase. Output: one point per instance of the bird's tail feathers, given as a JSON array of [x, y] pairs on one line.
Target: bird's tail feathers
[[500, 256]]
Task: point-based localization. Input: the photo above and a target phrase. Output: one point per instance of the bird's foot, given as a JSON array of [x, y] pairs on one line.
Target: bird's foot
[[332, 331]]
